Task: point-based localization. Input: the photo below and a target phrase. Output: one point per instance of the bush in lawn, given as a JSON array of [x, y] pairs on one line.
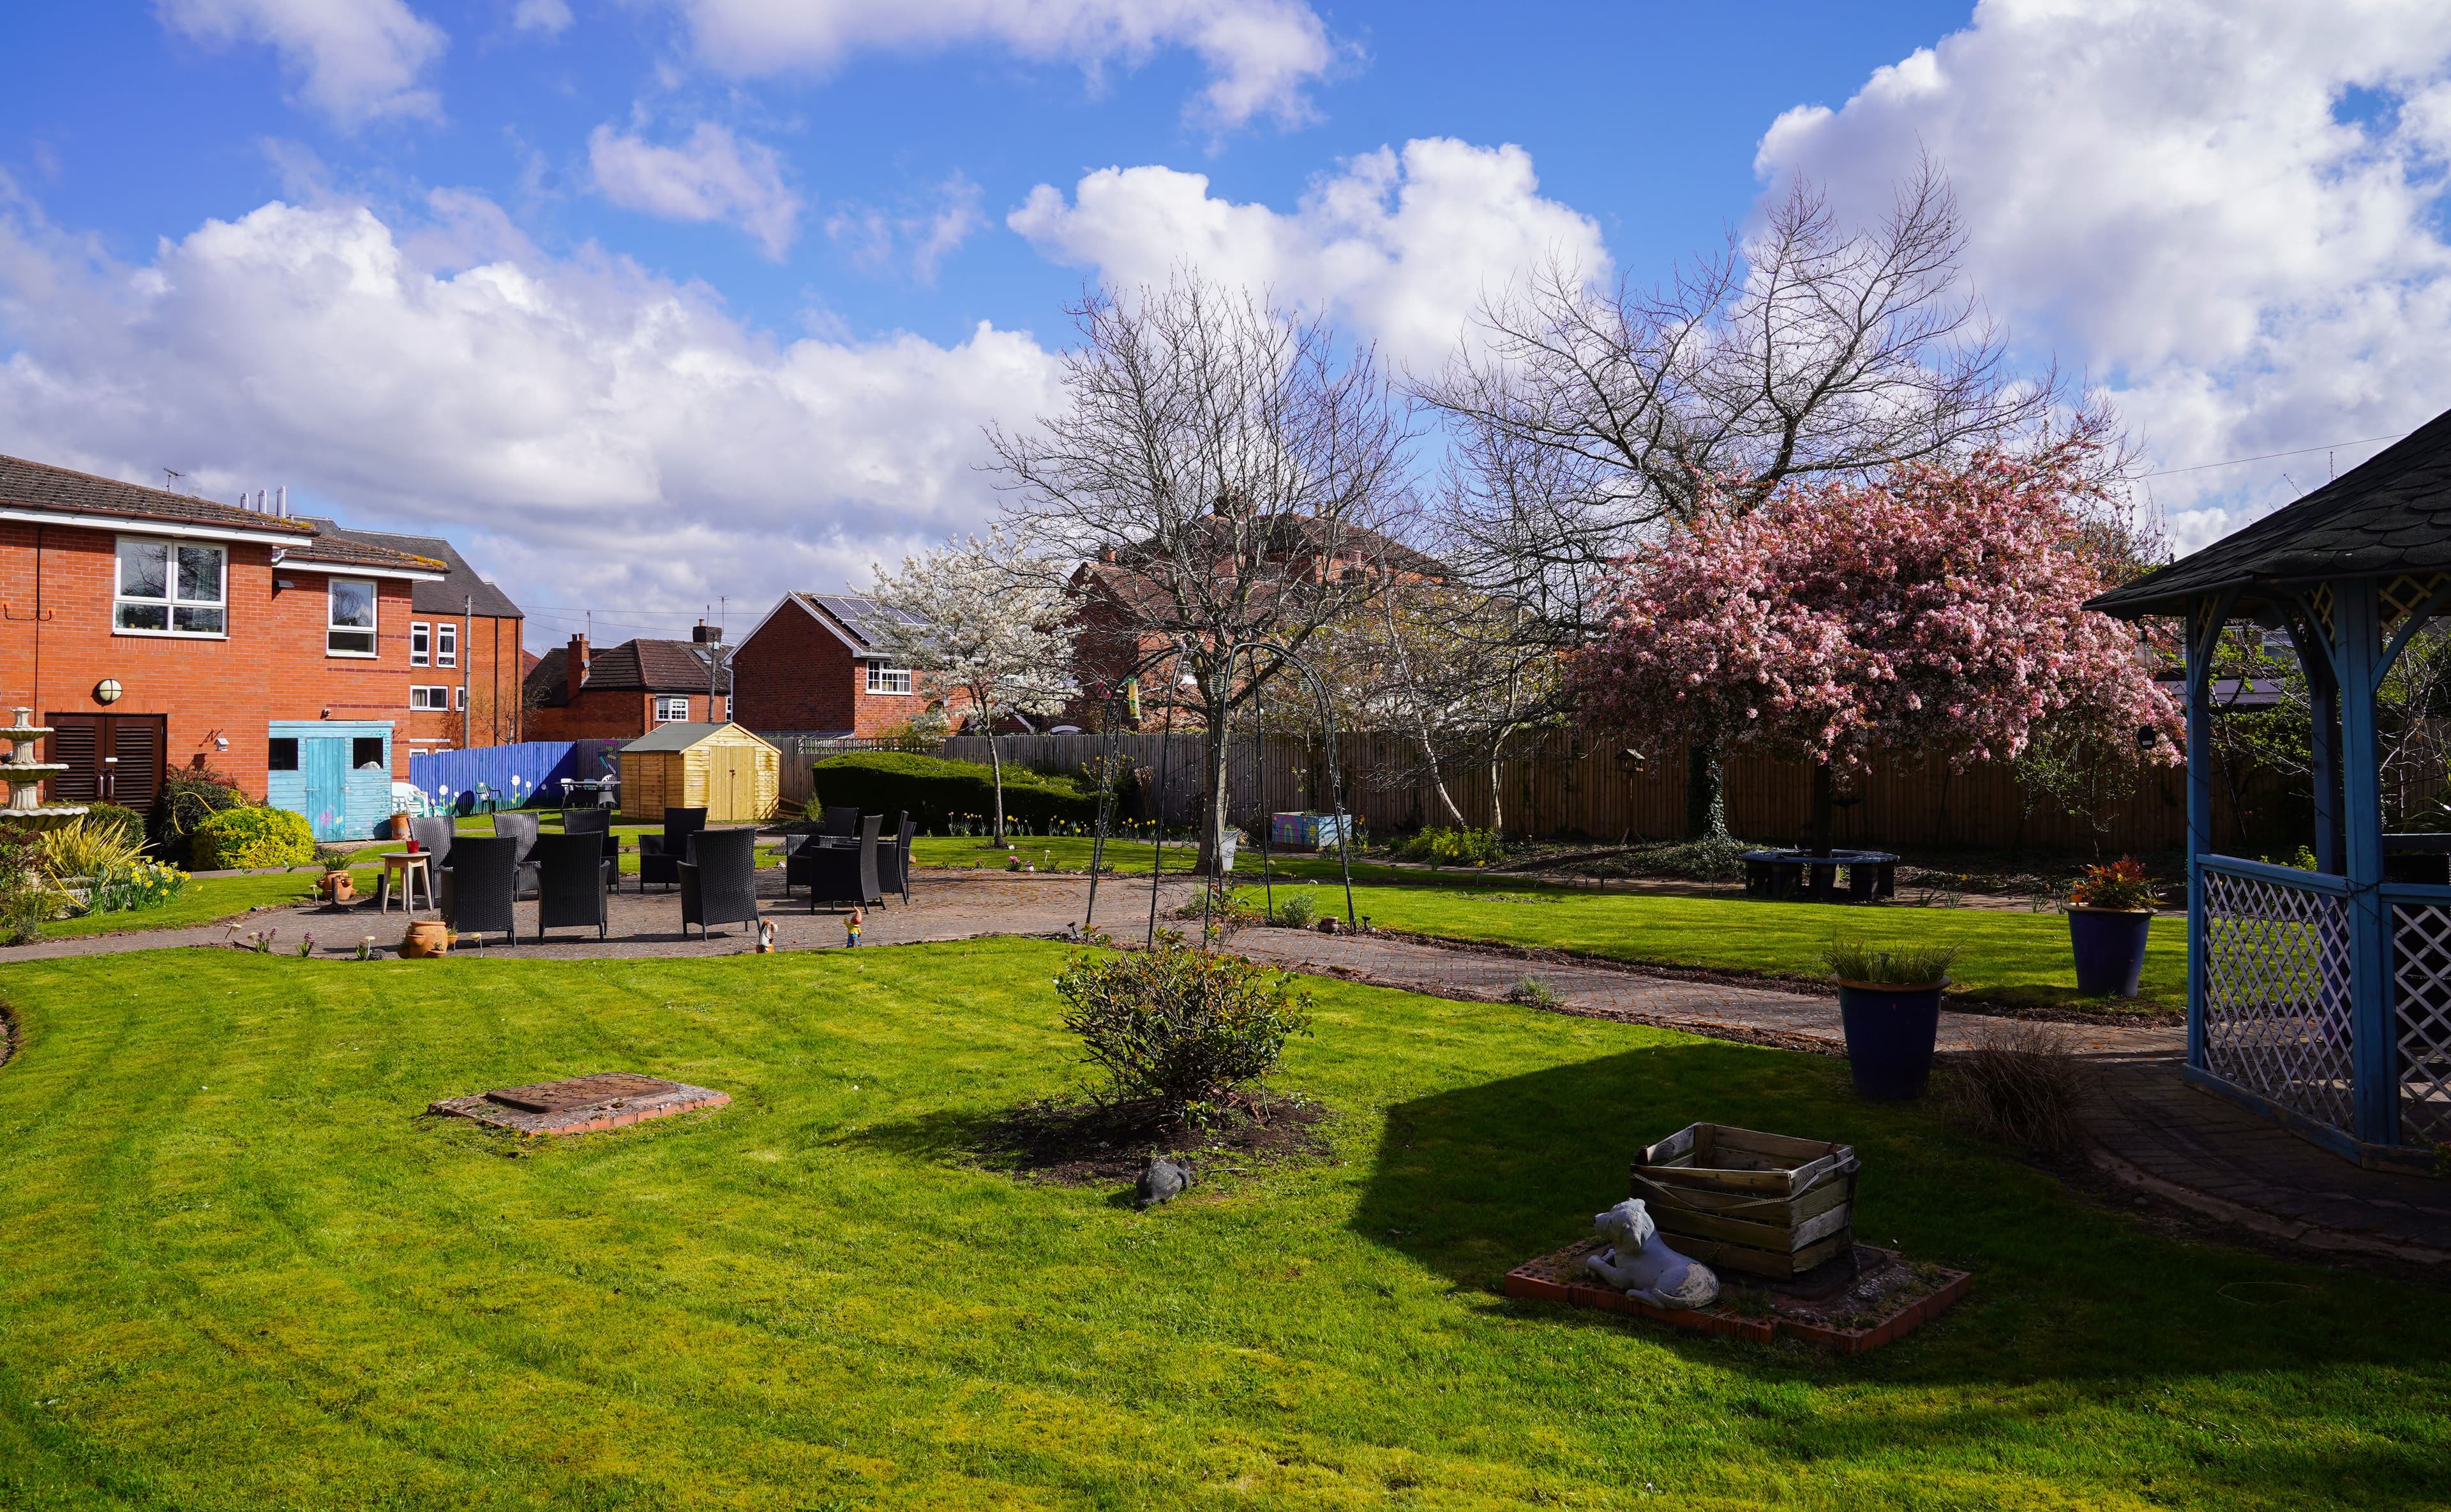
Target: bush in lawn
[[189, 797], [1299, 910], [1442, 847], [1178, 1027], [935, 790], [253, 836], [112, 820], [88, 851]]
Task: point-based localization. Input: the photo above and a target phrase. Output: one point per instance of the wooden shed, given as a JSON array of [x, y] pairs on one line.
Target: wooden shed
[[720, 768]]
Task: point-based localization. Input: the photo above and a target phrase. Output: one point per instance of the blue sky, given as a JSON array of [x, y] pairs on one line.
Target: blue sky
[[740, 279]]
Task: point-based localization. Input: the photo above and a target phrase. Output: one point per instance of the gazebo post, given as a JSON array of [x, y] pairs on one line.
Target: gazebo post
[[2373, 1048], [2323, 704], [2200, 814]]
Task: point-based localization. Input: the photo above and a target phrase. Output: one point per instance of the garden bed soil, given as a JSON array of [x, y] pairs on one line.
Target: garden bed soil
[[1854, 1303], [1089, 1144]]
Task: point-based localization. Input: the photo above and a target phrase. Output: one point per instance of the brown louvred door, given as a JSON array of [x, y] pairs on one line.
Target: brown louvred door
[[110, 758]]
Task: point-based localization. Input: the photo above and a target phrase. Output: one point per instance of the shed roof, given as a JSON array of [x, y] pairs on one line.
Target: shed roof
[[682, 733], [2389, 514]]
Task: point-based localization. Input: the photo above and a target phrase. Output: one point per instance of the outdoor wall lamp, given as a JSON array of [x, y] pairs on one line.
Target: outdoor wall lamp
[[106, 691]]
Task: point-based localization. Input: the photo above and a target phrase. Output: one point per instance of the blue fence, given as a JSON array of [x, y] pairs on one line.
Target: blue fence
[[529, 773]]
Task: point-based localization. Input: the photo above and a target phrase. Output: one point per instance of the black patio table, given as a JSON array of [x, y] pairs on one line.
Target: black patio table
[[1872, 876]]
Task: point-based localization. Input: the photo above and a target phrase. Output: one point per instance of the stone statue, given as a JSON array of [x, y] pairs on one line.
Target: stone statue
[[1639, 1262], [1160, 1181]]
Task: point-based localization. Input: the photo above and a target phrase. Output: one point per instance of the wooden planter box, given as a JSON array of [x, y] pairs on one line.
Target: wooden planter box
[[1736, 1199]]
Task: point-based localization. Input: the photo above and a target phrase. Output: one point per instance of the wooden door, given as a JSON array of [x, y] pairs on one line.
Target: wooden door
[[323, 760], [111, 758]]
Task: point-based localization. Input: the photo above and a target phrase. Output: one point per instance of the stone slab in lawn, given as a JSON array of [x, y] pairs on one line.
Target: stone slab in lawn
[[580, 1105]]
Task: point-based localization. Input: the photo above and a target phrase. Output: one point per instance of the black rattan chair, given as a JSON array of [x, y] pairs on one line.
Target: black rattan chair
[[841, 821], [893, 860], [571, 877], [597, 821], [483, 870], [661, 856], [836, 873], [720, 881], [522, 828]]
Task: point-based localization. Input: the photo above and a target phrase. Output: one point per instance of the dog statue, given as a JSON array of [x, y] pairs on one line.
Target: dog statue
[[1639, 1263]]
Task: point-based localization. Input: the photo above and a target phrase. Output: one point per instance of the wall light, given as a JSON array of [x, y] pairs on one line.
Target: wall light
[[106, 691]]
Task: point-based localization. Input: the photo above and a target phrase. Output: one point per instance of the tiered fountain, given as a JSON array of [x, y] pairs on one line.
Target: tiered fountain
[[26, 776]]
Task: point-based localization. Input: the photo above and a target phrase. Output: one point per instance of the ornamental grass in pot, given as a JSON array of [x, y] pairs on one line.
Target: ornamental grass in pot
[[2110, 912], [1889, 999]]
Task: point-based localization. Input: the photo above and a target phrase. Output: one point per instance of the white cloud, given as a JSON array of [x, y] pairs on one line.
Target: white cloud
[[713, 176], [1261, 54], [1403, 245], [355, 60], [925, 237], [552, 17], [2231, 210], [591, 434]]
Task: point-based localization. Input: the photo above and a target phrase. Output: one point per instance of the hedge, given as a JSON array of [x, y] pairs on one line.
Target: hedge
[[936, 791], [253, 836]]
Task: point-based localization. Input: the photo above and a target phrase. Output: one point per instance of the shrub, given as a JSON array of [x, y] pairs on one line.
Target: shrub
[[86, 850], [1178, 1027], [1711, 858], [1299, 910], [2120, 884], [1442, 847], [1900, 966], [110, 818], [2020, 1085], [26, 898], [253, 836], [1532, 992], [189, 797], [936, 790]]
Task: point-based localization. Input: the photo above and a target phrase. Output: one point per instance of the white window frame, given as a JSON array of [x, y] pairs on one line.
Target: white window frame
[[170, 603], [429, 697], [372, 632], [665, 702], [463, 695], [881, 680], [420, 637], [446, 643]]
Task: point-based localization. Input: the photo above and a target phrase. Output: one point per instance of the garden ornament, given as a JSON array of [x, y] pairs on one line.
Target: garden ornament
[[1160, 1181], [851, 926], [765, 937], [1639, 1262]]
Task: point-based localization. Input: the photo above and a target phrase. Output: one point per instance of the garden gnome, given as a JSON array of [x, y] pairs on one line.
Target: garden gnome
[[1160, 1181], [1639, 1263], [851, 926], [765, 937]]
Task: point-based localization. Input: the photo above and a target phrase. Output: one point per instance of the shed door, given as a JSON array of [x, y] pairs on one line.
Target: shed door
[[732, 783], [323, 762]]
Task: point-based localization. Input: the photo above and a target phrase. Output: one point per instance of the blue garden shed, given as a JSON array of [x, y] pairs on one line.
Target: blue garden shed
[[334, 771], [2323, 998]]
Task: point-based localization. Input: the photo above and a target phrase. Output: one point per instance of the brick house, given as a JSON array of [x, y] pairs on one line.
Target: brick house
[[811, 667], [151, 628], [463, 645], [622, 691]]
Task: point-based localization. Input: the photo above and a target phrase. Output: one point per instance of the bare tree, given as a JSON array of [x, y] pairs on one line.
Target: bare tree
[[1601, 417], [1226, 473]]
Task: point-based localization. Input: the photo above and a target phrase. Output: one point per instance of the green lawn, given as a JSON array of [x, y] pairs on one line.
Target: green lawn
[[2008, 958], [1071, 853], [238, 1270], [204, 899]]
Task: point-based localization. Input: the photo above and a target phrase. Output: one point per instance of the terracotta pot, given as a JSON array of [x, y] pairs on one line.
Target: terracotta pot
[[338, 886], [400, 826], [425, 937]]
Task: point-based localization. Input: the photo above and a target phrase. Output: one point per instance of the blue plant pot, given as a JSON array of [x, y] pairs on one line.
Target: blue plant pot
[[1890, 1036], [2109, 945]]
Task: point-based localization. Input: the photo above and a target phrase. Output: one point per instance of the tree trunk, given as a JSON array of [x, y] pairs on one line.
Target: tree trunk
[[995, 760], [1213, 823], [1706, 798]]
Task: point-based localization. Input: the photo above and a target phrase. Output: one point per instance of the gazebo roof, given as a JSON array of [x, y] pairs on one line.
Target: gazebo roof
[[2390, 514]]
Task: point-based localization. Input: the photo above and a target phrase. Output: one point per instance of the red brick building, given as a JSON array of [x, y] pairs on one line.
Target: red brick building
[[464, 648], [153, 628], [812, 667], [622, 691]]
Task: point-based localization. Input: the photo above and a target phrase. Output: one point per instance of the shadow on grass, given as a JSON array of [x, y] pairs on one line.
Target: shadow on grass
[[1472, 1182]]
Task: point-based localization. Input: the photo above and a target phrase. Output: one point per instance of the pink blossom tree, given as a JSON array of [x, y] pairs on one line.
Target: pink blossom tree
[[1937, 609]]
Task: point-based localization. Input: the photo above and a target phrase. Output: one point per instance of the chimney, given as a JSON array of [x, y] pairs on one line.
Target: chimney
[[574, 667]]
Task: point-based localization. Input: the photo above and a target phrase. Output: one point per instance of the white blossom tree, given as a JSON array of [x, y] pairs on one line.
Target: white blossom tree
[[980, 618]]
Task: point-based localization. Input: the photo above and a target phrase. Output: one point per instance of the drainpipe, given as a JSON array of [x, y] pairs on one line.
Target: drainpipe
[[467, 649]]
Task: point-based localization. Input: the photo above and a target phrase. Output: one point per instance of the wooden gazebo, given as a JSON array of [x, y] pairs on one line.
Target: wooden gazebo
[[2323, 998]]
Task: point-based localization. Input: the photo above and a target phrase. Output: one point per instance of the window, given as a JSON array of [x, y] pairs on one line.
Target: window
[[171, 588], [367, 751], [350, 631], [447, 645], [882, 678], [668, 709], [463, 695], [429, 697], [283, 756], [418, 632]]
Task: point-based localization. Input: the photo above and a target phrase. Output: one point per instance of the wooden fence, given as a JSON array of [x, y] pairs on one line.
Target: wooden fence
[[1565, 785]]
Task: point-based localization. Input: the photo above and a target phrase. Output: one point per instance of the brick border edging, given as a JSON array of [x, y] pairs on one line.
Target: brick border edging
[[1527, 1281]]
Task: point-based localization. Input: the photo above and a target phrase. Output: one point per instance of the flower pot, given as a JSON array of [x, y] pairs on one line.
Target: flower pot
[[427, 937], [1890, 1036], [400, 826], [338, 886], [2109, 945]]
